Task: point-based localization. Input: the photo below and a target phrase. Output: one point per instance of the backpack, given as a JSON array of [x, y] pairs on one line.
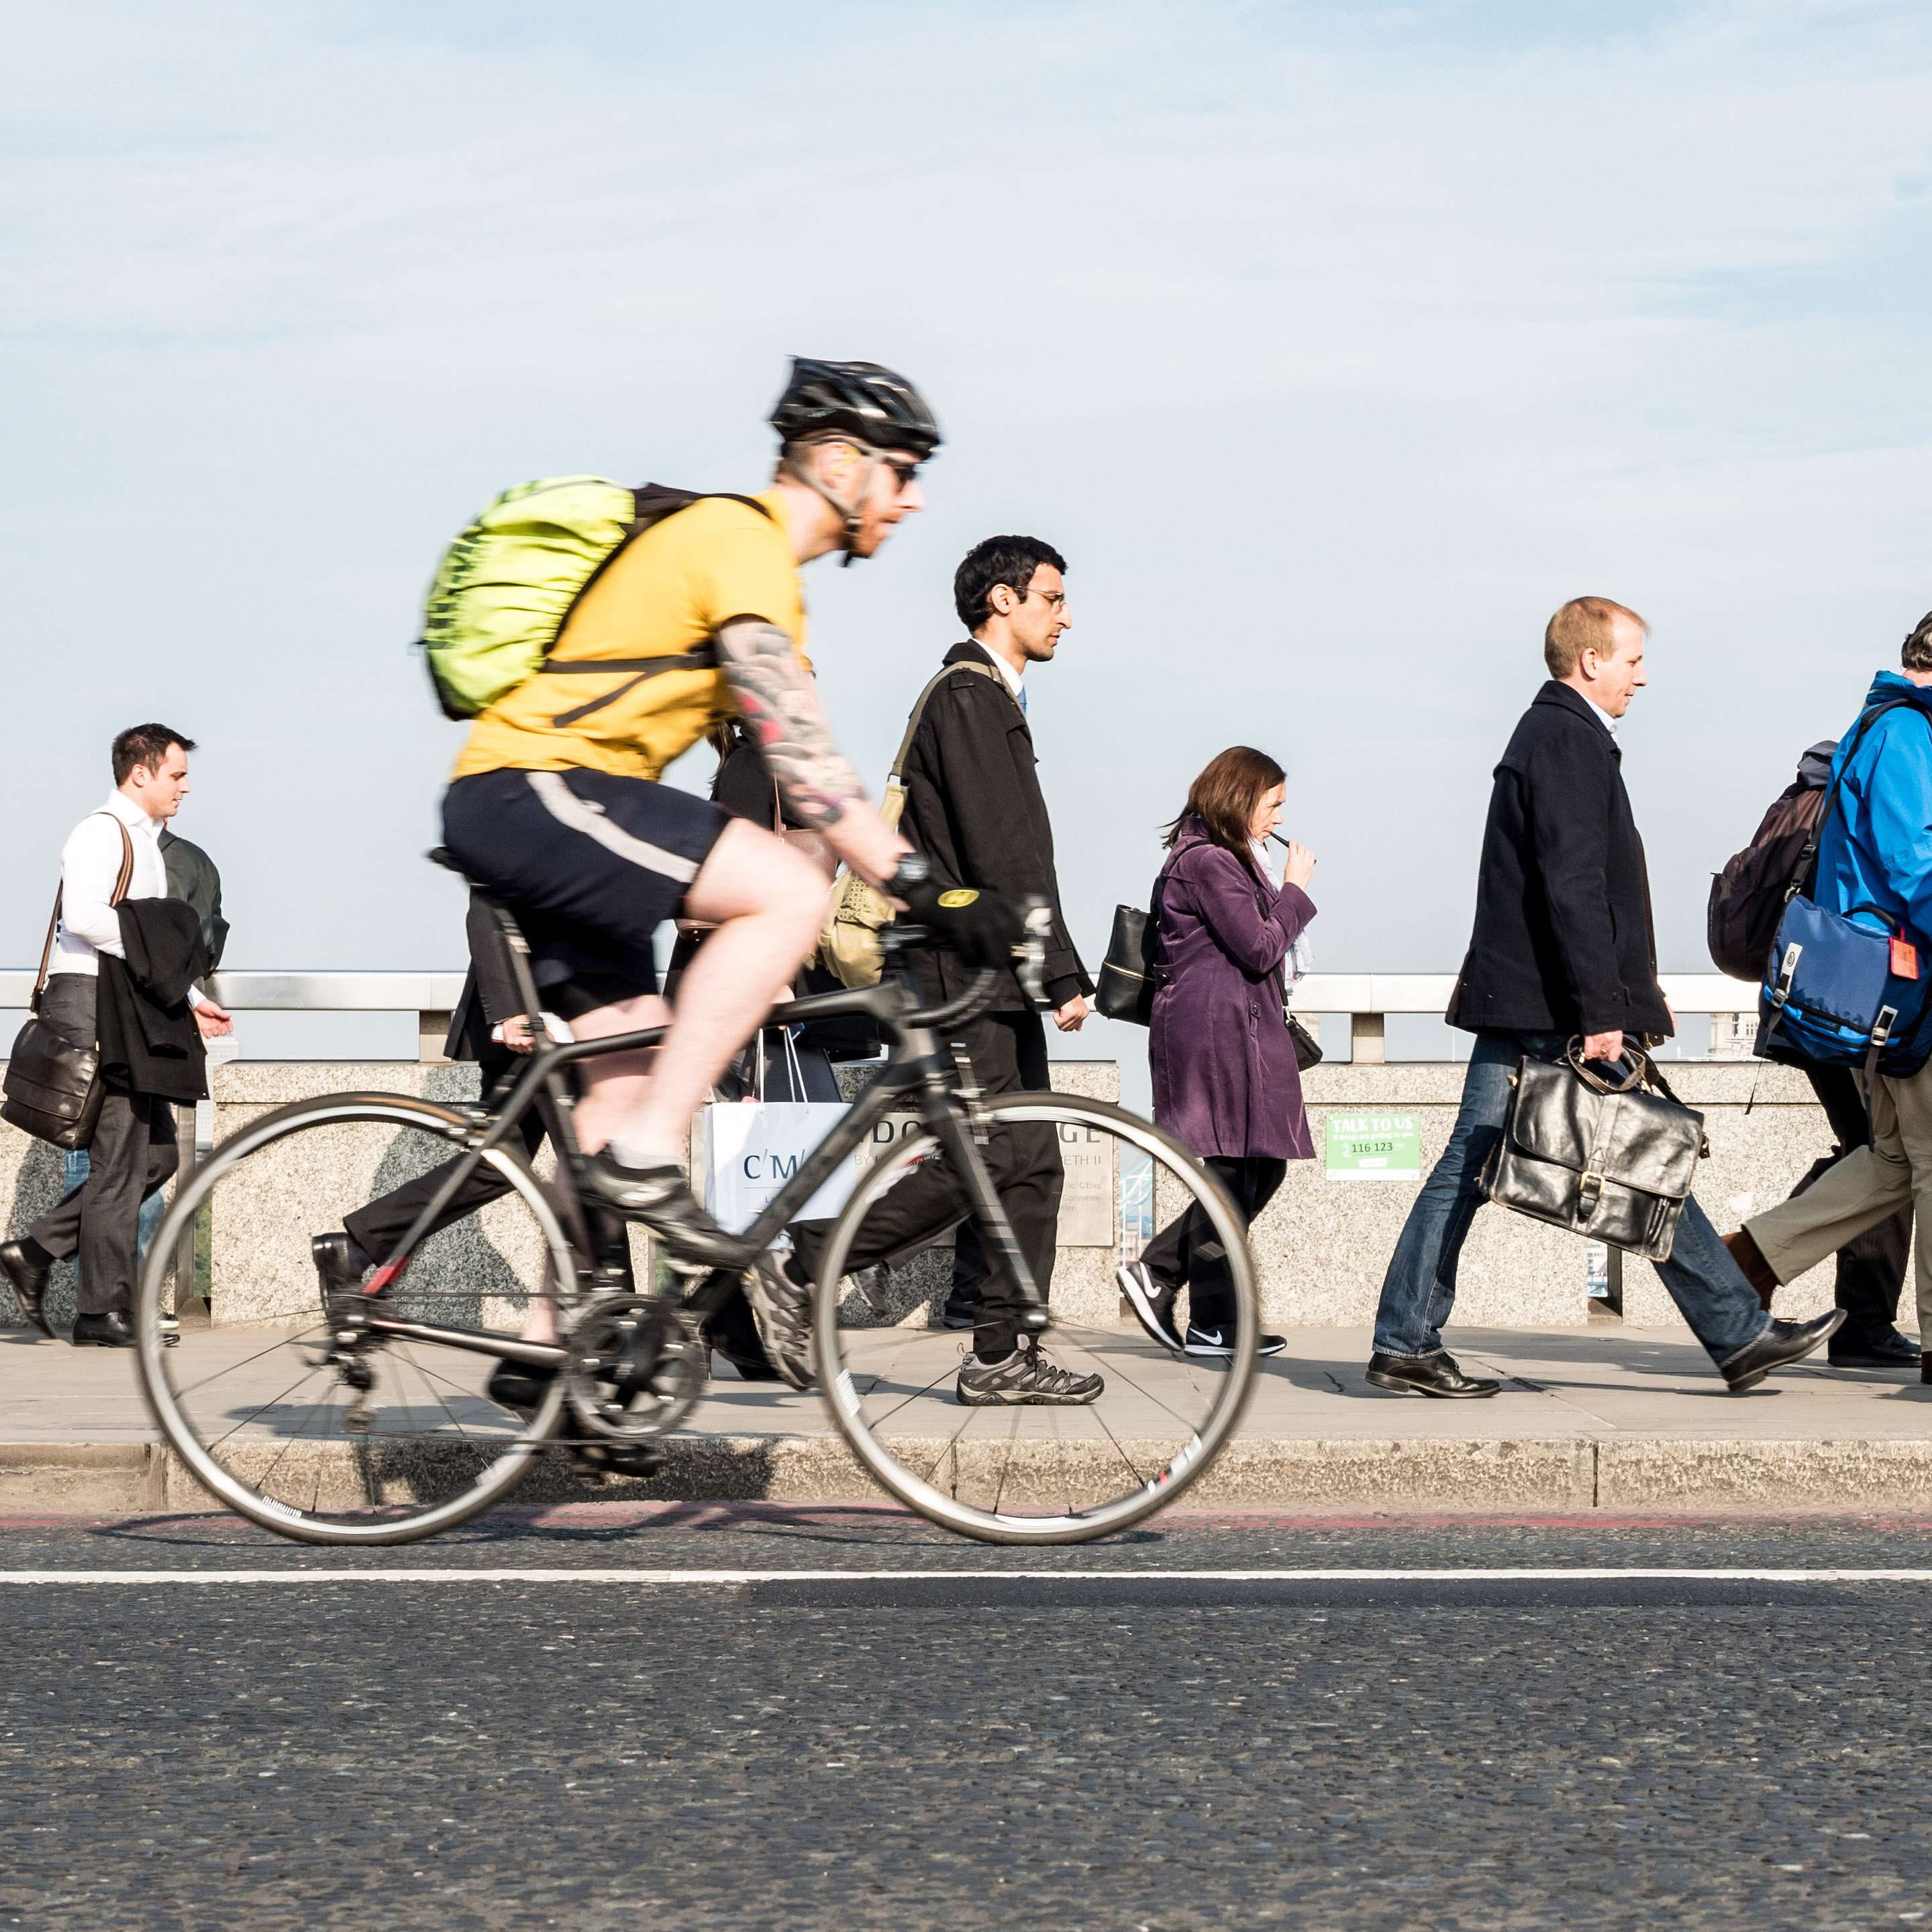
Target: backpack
[[1829, 994], [1747, 897], [857, 913], [506, 586]]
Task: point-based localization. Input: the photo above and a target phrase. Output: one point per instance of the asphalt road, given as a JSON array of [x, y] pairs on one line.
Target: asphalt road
[[1113, 1745]]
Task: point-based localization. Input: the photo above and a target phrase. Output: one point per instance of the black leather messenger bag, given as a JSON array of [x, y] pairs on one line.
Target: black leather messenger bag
[[53, 1087], [1601, 1157]]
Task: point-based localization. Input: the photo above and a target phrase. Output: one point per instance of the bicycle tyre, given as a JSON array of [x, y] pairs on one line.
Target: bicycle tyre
[[840, 1377], [166, 1373]]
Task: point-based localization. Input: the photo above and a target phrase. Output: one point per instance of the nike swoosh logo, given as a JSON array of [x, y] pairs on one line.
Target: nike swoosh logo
[[1213, 1338]]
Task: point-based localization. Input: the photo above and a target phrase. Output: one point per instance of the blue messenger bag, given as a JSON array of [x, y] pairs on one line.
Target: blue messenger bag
[[1833, 995]]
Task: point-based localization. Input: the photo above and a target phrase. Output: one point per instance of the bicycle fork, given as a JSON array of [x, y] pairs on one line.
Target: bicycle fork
[[960, 1142]]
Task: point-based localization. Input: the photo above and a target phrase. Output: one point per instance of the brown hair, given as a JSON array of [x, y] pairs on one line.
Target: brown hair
[[1916, 654], [1584, 624], [1223, 798]]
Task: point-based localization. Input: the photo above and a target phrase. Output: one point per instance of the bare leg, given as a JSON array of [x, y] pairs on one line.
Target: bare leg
[[765, 902]]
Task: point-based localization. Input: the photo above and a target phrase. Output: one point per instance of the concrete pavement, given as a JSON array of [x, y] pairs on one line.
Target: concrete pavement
[[1609, 1417]]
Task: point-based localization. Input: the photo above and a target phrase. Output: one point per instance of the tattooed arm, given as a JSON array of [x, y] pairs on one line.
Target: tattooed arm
[[778, 701]]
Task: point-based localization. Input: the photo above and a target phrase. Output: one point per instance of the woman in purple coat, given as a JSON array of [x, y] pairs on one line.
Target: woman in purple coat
[[1225, 1082]]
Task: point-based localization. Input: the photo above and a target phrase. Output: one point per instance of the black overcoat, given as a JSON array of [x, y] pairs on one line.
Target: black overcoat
[[1563, 941], [974, 807]]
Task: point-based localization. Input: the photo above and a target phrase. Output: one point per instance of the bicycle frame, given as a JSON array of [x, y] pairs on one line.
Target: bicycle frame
[[920, 1068]]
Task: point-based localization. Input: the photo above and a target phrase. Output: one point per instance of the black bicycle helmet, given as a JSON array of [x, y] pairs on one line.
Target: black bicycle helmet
[[871, 404]]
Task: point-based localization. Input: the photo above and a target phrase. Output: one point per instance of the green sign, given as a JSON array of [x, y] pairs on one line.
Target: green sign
[[1374, 1147]]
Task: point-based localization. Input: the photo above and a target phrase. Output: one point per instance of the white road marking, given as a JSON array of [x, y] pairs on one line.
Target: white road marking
[[725, 1578]]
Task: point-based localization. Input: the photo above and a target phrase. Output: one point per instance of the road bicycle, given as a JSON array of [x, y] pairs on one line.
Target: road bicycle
[[366, 1414]]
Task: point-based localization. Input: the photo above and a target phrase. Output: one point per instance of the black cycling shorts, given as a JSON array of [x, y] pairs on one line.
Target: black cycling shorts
[[591, 864]]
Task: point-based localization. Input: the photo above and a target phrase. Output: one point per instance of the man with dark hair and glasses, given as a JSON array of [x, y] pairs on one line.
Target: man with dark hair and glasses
[[973, 808]]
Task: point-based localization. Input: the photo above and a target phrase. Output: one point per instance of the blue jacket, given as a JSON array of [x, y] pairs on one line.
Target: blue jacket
[[1877, 846]]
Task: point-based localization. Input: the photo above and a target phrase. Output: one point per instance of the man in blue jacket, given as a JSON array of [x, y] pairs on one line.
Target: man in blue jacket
[[1876, 850]]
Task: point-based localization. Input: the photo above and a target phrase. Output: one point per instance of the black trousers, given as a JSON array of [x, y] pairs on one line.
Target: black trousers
[[1008, 1055], [377, 1227], [132, 1154], [1871, 1266], [1185, 1252]]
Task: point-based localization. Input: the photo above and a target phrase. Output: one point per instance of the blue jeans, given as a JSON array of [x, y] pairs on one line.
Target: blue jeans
[[1419, 1290]]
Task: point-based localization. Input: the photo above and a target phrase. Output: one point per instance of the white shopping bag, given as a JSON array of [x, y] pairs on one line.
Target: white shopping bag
[[744, 1152]]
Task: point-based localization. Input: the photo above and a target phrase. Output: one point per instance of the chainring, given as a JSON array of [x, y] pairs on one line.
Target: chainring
[[636, 1366]]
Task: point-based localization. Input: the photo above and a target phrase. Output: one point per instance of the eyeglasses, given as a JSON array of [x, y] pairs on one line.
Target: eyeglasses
[[1056, 599], [904, 471]]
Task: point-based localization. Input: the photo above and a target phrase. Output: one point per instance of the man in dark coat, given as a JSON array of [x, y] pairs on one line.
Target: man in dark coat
[[1563, 948], [974, 807]]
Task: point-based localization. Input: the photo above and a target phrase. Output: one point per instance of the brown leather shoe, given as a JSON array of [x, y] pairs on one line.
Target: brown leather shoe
[[1751, 1263]]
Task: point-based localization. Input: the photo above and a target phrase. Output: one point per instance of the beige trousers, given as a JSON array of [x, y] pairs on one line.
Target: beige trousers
[[1867, 1186]]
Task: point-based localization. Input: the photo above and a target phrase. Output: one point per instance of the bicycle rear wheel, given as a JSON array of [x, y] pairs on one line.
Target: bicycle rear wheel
[[396, 1436], [1069, 1471]]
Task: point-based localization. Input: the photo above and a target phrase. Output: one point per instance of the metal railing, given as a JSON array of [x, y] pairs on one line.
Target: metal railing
[[1366, 998]]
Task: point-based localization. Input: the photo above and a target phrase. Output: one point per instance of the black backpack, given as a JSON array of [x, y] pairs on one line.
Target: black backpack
[[1747, 897]]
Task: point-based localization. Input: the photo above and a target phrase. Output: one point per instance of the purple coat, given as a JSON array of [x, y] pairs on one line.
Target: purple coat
[[1224, 1079]]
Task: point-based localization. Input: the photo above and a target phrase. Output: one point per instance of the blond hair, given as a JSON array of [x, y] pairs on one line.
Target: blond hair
[[1584, 624]]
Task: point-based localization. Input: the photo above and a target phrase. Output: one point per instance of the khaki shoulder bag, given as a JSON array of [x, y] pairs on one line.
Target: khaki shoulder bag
[[856, 912]]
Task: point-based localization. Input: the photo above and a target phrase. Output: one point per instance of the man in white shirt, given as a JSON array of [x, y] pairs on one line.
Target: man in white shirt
[[133, 1152]]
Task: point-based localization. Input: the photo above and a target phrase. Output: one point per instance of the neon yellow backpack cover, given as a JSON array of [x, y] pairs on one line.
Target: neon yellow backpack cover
[[506, 586]]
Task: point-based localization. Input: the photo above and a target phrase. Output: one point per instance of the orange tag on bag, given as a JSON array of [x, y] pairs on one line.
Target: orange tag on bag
[[1904, 960]]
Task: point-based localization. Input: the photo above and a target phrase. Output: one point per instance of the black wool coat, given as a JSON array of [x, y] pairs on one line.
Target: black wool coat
[[974, 807], [1563, 941]]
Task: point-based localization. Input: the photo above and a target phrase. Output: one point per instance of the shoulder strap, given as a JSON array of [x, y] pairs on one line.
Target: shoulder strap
[[1808, 856], [121, 886], [127, 877], [897, 774]]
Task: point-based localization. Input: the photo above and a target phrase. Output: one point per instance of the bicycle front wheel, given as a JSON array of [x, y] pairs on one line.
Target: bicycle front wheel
[[1134, 1422], [317, 1426]]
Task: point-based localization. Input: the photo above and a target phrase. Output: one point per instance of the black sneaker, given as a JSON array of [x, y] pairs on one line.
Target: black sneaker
[[1221, 1342], [1026, 1376], [1152, 1301], [962, 1311], [661, 1197], [1882, 1348]]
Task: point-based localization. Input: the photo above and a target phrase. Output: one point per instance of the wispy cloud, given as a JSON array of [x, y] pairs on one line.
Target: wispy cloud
[[1335, 345]]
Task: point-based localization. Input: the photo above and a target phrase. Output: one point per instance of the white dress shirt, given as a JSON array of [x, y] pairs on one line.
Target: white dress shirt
[[90, 867], [1604, 718], [1015, 678]]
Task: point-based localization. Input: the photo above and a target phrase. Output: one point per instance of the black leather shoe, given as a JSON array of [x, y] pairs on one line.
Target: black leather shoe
[[1781, 1343], [111, 1331], [661, 1197], [29, 1284], [1887, 1349], [1426, 1375], [518, 1386], [340, 1264]]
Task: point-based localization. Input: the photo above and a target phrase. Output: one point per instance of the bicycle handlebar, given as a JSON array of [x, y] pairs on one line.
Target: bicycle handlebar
[[1029, 958]]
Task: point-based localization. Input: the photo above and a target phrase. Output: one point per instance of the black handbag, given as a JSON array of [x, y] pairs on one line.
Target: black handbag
[[1600, 1157], [53, 1088], [1128, 977], [1307, 1048]]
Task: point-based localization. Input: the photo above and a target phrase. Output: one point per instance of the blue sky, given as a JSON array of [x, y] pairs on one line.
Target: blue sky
[[1335, 346]]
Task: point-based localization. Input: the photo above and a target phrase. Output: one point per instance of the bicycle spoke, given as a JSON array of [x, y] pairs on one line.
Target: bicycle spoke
[[229, 1368], [233, 1394], [1061, 1476]]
